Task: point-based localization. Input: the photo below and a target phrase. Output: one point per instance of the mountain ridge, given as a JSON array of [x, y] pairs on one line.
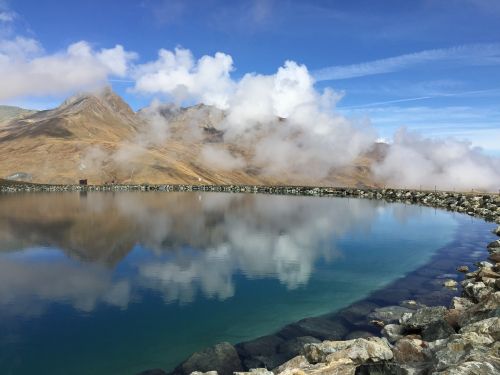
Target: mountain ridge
[[100, 138]]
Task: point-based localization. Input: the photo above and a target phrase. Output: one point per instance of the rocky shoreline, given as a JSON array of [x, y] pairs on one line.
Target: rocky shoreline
[[463, 338]]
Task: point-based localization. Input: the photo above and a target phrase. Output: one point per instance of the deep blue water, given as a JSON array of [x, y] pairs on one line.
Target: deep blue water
[[109, 283]]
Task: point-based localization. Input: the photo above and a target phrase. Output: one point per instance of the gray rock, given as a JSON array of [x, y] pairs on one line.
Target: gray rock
[[422, 317], [409, 350], [470, 368], [372, 349], [389, 314], [294, 347], [490, 327], [436, 330], [358, 335], [323, 329], [460, 303], [496, 230], [155, 371], [450, 283], [255, 371], [222, 358], [411, 304], [391, 368], [204, 373], [262, 346], [494, 244], [392, 332]]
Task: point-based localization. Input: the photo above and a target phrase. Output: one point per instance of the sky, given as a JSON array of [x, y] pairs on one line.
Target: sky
[[430, 65]]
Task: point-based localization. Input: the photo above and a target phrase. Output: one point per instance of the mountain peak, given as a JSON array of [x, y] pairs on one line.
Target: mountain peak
[[105, 99]]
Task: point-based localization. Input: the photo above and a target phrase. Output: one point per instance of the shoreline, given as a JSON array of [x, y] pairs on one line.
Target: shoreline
[[416, 339]]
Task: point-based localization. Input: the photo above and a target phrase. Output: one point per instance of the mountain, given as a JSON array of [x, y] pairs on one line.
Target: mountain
[[8, 113], [100, 138]]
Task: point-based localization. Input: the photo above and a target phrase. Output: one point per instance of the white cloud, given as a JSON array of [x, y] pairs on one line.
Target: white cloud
[[473, 54], [27, 70], [415, 161], [178, 75]]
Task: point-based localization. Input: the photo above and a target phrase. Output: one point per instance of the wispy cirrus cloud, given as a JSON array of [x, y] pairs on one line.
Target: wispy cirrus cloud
[[469, 55]]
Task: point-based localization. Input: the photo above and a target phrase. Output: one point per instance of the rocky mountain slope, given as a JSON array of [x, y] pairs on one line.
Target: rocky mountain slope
[[100, 138], [8, 113]]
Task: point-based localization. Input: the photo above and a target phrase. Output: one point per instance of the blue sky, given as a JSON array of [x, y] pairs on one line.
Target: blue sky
[[432, 65]]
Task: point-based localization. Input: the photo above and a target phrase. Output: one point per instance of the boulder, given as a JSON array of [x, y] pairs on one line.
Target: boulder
[[462, 347], [154, 371], [495, 257], [471, 367], [255, 371], [437, 329], [450, 283], [494, 245], [496, 230], [393, 332], [463, 269], [204, 373], [262, 346], [321, 328], [222, 358], [460, 303], [389, 314], [490, 327], [293, 347], [486, 308], [409, 350], [300, 366], [358, 335], [422, 317], [372, 349]]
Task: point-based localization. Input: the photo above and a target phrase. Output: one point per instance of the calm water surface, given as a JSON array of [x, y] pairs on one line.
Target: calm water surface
[[109, 283]]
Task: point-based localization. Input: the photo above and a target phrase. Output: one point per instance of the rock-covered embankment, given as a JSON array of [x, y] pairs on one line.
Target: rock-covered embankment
[[482, 205], [463, 338]]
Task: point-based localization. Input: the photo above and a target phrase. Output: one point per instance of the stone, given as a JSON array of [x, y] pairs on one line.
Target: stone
[[392, 332], [494, 257], [300, 366], [321, 328], [372, 349], [463, 269], [437, 329], [388, 314], [496, 230], [494, 245], [470, 368], [475, 290], [490, 327], [204, 373], [358, 335], [262, 346], [411, 304], [155, 371], [409, 350], [391, 368], [486, 308], [460, 303], [294, 346], [255, 371], [488, 273], [422, 317], [450, 283], [222, 358], [298, 362]]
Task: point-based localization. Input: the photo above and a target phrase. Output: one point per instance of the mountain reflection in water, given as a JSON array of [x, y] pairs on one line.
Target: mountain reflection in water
[[213, 260]]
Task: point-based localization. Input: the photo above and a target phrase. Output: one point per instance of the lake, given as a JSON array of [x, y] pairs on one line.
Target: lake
[[116, 283]]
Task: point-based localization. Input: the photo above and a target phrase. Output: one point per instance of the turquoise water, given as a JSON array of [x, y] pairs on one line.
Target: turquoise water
[[109, 283]]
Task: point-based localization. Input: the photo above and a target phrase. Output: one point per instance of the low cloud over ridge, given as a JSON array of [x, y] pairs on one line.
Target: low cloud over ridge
[[285, 123]]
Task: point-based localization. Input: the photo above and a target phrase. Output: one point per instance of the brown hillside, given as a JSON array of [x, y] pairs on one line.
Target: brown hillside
[[100, 138]]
